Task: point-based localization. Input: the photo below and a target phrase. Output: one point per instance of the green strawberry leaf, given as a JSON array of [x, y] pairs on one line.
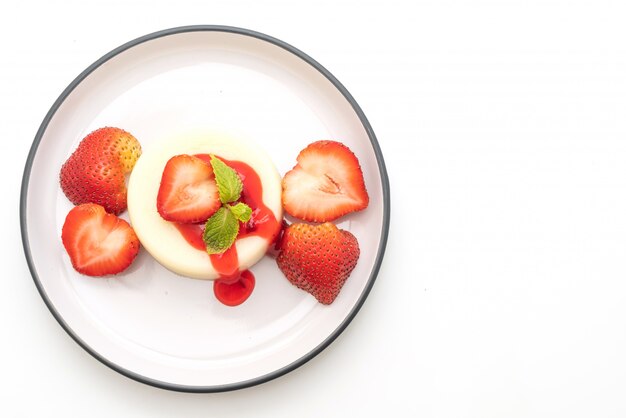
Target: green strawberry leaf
[[241, 211], [228, 182], [220, 231]]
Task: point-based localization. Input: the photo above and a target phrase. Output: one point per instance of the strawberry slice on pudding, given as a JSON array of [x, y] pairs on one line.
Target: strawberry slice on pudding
[[188, 192]]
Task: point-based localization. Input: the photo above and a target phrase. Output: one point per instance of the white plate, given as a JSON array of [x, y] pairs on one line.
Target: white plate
[[150, 324]]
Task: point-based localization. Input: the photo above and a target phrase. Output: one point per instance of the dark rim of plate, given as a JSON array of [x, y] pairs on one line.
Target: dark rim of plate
[[381, 246]]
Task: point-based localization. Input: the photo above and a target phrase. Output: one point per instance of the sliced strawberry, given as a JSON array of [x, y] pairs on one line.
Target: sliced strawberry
[[326, 183], [96, 171], [97, 242], [188, 192], [318, 258]]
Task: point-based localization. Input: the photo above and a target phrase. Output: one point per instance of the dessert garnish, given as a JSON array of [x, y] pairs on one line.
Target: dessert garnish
[[326, 183], [96, 171], [221, 229], [318, 258], [188, 193], [194, 191], [98, 243]]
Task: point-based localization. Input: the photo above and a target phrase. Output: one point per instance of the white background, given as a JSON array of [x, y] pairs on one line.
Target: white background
[[503, 126]]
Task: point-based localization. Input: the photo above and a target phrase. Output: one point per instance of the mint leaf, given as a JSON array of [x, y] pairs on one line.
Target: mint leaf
[[228, 182], [241, 211], [220, 231]]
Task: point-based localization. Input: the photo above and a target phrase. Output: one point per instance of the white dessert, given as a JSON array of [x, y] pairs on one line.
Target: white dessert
[[160, 237]]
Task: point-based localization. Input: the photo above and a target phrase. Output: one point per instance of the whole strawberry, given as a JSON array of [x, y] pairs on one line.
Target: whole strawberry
[[318, 258], [96, 171]]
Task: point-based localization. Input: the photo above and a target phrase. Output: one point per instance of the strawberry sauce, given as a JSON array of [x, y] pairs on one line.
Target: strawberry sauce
[[233, 286], [234, 292], [192, 234]]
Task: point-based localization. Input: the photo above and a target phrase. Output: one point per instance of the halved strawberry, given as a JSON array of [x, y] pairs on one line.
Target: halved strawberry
[[188, 192], [318, 258], [96, 171], [97, 242], [326, 183]]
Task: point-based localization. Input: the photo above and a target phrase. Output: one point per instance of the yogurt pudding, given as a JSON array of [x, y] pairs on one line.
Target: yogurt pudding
[[179, 247]]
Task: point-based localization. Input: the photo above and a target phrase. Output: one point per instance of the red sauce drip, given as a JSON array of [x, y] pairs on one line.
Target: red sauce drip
[[192, 234], [234, 292], [226, 264], [233, 287]]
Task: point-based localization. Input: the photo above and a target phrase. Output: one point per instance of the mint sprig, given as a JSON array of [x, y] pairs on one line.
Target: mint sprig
[[228, 182], [241, 211], [221, 229]]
